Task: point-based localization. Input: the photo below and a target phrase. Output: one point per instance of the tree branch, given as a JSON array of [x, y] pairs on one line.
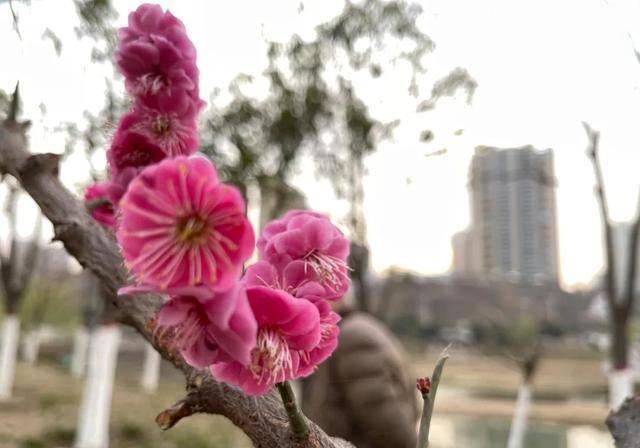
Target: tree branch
[[593, 152], [630, 292], [263, 419]]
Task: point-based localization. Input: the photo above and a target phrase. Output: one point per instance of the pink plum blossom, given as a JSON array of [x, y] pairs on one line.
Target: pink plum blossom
[[207, 326], [181, 227], [175, 134], [294, 278], [312, 238], [155, 55], [132, 150], [105, 213], [329, 332], [286, 327]]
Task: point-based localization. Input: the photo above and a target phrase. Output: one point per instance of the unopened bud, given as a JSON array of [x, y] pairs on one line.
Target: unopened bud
[[424, 385]]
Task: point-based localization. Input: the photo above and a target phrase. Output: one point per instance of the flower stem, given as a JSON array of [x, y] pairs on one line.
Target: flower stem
[[296, 418], [429, 397]]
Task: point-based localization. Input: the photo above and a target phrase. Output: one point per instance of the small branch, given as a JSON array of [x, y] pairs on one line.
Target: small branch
[[429, 388], [14, 106], [169, 417], [593, 152], [633, 263], [296, 419], [14, 16]]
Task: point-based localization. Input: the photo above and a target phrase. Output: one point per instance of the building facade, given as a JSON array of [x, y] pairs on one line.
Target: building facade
[[513, 216]]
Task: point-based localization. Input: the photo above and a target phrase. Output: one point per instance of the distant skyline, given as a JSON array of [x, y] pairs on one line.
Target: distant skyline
[[542, 67]]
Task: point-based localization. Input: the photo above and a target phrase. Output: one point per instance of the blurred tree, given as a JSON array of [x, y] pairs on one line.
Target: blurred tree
[[517, 339], [17, 266], [313, 108], [619, 285]]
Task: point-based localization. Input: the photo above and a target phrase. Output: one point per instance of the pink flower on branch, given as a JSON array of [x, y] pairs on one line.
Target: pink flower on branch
[[155, 55], [286, 327], [132, 150], [329, 332], [293, 278], [207, 326], [181, 227], [312, 238]]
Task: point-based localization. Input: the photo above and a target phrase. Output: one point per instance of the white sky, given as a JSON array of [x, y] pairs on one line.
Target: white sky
[[542, 67]]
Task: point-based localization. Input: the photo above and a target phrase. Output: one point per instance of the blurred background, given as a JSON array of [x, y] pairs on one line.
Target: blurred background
[[481, 155]]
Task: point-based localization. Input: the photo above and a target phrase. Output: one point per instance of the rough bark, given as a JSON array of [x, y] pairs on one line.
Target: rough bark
[[263, 419], [624, 426]]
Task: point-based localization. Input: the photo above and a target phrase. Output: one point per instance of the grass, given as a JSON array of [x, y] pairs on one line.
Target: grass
[[569, 390], [44, 411], [43, 414]]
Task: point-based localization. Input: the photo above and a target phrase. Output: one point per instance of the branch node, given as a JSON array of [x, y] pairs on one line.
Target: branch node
[[41, 163]]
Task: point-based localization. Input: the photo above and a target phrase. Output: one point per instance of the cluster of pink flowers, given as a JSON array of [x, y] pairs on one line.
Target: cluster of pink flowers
[[185, 234]]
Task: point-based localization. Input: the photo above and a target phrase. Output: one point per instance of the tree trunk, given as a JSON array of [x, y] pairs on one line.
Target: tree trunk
[[31, 346], [359, 264], [80, 349], [150, 370], [8, 352], [620, 375], [520, 415], [93, 419]]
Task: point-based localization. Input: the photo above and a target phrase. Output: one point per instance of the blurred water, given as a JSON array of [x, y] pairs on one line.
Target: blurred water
[[478, 432]]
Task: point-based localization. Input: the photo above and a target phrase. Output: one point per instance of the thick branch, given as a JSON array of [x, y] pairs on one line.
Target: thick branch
[[263, 419]]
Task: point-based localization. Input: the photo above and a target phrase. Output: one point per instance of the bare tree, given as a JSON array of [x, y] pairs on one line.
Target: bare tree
[[619, 286], [17, 266]]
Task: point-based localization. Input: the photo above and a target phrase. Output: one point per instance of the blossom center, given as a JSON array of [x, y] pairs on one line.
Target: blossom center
[[271, 358], [161, 126], [327, 267], [188, 332], [192, 230]]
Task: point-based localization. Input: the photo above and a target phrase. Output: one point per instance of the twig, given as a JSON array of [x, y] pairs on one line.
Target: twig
[[15, 20], [296, 419], [169, 417], [429, 388]]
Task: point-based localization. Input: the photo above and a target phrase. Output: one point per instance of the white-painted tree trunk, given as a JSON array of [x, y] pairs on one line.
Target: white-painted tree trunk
[[93, 419], [520, 415], [8, 352], [150, 369], [80, 350], [620, 386], [31, 346]]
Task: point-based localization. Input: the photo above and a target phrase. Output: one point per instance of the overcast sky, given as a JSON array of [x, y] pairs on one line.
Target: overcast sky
[[542, 67]]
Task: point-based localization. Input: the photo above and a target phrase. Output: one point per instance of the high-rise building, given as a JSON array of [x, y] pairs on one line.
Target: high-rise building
[[513, 216]]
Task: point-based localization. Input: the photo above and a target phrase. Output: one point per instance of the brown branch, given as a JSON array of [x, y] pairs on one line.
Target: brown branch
[[593, 152], [263, 419], [630, 292]]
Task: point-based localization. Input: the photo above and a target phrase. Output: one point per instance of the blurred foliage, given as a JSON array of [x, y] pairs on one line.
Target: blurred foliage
[[50, 300], [96, 22], [312, 105]]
